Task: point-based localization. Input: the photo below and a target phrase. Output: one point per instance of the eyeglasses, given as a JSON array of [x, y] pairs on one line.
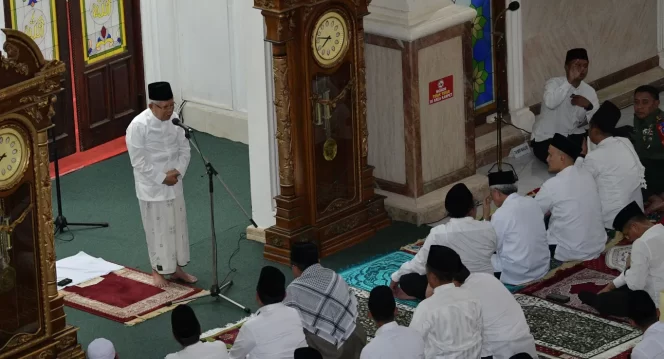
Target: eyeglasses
[[168, 107]]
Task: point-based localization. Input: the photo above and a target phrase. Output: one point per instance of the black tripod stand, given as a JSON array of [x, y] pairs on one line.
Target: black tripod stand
[[60, 222], [215, 289]]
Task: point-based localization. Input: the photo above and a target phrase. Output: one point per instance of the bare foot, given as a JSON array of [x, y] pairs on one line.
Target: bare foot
[[184, 276], [159, 280], [400, 294]]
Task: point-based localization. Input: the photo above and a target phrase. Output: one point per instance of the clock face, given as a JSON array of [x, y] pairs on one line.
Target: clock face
[[13, 154], [329, 41]]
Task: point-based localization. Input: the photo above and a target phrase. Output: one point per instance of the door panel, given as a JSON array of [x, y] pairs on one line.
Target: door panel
[[46, 23], [109, 61]]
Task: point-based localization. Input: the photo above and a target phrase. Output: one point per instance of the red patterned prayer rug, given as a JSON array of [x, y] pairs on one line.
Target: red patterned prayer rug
[[126, 296], [590, 276]]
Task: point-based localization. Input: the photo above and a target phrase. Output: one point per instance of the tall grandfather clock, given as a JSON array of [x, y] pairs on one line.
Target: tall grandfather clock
[[327, 188], [32, 318]]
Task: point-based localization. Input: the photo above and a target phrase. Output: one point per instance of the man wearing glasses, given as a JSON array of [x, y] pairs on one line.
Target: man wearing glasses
[[159, 154]]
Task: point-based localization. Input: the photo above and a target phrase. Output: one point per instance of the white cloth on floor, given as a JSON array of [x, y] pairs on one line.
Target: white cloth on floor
[[83, 267], [166, 232]]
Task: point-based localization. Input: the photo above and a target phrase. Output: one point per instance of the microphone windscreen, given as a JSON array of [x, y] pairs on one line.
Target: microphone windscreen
[[514, 5], [176, 121]]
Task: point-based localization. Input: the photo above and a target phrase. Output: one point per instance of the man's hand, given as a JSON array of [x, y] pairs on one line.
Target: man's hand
[[580, 101], [486, 206], [608, 288], [574, 73], [394, 286], [584, 146], [173, 172], [171, 179]]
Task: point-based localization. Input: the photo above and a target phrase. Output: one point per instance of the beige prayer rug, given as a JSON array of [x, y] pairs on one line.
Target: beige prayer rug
[[126, 296], [616, 257]]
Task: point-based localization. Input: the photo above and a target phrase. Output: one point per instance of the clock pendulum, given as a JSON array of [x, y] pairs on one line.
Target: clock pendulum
[[7, 273]]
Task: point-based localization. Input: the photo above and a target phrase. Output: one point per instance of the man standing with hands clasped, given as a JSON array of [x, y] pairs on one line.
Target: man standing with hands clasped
[[568, 105], [159, 154]]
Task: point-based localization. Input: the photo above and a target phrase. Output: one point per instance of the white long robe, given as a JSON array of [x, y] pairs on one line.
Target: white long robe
[[156, 147]]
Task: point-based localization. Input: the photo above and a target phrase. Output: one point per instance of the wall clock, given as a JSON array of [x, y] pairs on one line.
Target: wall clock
[[329, 40], [14, 154]]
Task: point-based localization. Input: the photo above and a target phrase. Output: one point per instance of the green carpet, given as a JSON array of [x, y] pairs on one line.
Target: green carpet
[[105, 192]]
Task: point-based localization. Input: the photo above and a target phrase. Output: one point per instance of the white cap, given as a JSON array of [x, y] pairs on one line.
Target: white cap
[[101, 348]]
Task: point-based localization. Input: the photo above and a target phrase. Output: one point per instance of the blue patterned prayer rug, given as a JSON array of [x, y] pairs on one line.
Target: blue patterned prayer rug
[[376, 272]]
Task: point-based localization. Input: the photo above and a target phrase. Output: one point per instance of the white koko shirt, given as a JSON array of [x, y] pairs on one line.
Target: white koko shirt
[[474, 241], [652, 345], [558, 115], [576, 224], [618, 173], [450, 322], [273, 333], [156, 147], [646, 271], [393, 341], [505, 331], [523, 252]]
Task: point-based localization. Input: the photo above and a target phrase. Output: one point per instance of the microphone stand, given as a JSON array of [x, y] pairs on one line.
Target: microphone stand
[[499, 102], [215, 289]]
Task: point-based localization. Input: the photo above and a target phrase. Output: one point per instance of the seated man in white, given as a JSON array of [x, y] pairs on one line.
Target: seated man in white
[[645, 266], [567, 106], [276, 330], [576, 230], [327, 306], [187, 331], [474, 240], [522, 255], [644, 315], [392, 341], [614, 164], [450, 320], [505, 332]]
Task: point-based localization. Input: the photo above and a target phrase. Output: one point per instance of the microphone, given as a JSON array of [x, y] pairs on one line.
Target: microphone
[[513, 6], [187, 129]]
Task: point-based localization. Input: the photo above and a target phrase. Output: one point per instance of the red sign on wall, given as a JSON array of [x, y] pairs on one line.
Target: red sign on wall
[[442, 89]]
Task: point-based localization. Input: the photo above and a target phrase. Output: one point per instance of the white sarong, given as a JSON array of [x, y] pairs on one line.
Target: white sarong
[[165, 225]]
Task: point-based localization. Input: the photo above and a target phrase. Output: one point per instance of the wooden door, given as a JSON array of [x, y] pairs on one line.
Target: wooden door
[[46, 23], [108, 67]]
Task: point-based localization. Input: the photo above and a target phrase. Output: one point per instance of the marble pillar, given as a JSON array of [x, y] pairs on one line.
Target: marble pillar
[[660, 32], [419, 103], [521, 115]]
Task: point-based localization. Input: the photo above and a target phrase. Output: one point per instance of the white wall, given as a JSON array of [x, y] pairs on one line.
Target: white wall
[[203, 55], [2, 26]]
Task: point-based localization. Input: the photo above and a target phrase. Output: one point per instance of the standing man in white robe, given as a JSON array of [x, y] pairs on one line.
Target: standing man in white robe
[[523, 254], [576, 230], [159, 154], [568, 104], [614, 164]]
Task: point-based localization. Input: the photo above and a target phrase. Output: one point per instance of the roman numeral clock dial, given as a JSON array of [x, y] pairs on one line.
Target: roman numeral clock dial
[[330, 39]]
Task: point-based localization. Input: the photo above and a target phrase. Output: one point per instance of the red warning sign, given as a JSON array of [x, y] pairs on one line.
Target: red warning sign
[[441, 89]]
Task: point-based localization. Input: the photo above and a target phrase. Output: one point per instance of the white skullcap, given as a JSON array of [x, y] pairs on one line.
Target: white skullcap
[[101, 348]]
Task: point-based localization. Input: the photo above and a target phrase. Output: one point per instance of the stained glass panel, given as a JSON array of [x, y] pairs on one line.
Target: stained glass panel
[[484, 92], [103, 29], [37, 19]]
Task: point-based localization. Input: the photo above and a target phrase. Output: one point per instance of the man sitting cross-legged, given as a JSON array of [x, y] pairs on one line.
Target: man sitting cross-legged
[[645, 265], [392, 340], [450, 320], [474, 240], [327, 306], [523, 254], [576, 230], [187, 331], [276, 330]]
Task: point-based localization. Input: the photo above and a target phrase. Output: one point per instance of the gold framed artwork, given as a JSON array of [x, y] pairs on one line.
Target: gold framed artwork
[[37, 19], [103, 25]]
